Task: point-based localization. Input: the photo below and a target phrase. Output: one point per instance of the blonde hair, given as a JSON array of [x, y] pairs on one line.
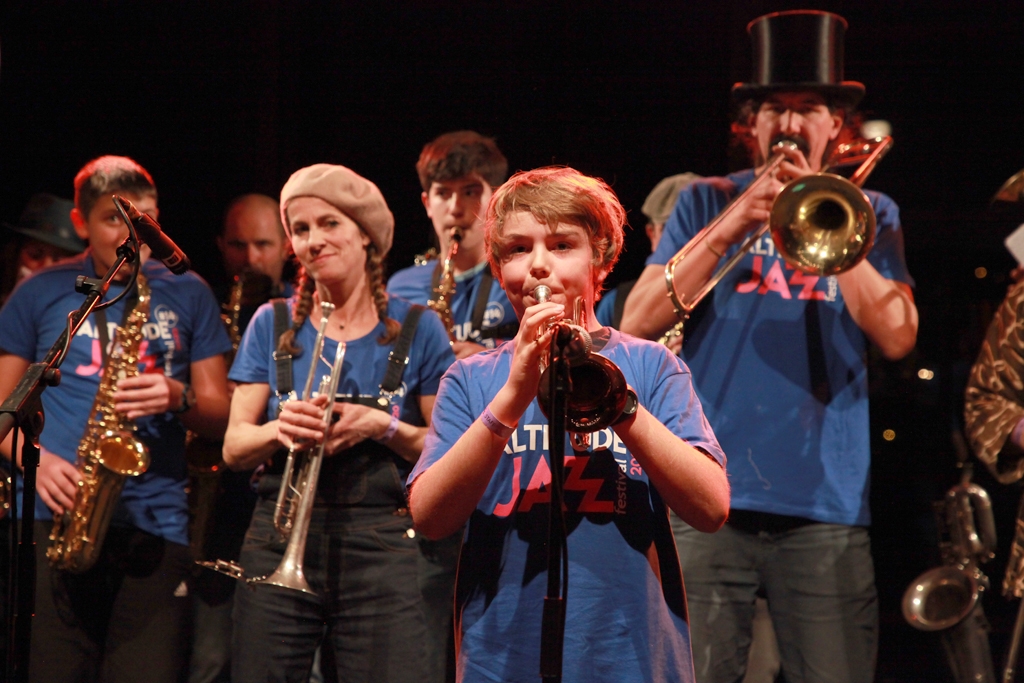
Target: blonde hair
[[556, 195]]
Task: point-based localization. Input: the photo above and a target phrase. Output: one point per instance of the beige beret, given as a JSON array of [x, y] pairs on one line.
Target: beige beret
[[352, 194], [662, 199]]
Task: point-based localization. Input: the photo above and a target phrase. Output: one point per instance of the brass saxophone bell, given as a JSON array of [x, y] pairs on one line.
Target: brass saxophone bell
[[123, 454]]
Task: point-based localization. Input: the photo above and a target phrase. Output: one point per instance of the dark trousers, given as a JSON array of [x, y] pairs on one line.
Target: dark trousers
[[362, 564], [439, 561], [123, 620], [820, 584]]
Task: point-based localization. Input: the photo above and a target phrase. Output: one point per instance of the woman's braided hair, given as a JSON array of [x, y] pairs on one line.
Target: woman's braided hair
[[304, 306]]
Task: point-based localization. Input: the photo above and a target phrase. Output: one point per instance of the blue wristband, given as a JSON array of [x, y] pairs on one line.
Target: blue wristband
[[495, 425]]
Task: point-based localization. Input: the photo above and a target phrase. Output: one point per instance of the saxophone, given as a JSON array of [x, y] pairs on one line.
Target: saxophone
[[202, 454], [441, 297], [108, 453]]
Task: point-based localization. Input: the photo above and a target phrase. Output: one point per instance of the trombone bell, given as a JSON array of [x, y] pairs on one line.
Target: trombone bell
[[822, 224]]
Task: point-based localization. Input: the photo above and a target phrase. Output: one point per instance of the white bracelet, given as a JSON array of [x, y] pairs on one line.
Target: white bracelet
[[390, 431]]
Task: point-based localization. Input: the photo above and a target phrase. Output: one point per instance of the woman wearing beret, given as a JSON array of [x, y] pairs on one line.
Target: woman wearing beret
[[361, 551]]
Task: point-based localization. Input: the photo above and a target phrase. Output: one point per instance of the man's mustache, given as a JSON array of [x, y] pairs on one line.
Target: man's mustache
[[800, 142]]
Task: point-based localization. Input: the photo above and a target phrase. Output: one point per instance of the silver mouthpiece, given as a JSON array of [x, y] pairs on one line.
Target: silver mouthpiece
[[542, 293]]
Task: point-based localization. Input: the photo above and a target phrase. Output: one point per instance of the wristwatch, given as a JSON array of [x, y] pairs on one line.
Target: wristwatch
[[632, 405], [188, 399]]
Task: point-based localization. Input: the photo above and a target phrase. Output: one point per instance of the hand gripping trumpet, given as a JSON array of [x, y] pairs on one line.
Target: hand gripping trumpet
[[294, 507], [821, 223], [597, 389]]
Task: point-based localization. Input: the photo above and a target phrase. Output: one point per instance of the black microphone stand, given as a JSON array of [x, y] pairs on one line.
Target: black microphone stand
[[23, 411], [552, 634]]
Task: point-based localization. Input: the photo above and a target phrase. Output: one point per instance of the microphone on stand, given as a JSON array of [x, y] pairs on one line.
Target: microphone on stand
[[161, 246]]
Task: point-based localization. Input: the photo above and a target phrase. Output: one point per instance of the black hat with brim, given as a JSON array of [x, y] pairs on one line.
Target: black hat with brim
[[48, 219], [800, 50]]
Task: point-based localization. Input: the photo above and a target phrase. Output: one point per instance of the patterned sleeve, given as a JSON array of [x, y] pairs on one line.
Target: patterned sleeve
[[994, 401]]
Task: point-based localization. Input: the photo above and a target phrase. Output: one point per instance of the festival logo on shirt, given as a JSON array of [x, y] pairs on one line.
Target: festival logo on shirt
[[769, 273], [596, 481], [161, 328], [494, 314]]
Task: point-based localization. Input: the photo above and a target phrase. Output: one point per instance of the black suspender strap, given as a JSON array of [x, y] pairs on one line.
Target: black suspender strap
[[621, 294], [282, 361], [399, 356]]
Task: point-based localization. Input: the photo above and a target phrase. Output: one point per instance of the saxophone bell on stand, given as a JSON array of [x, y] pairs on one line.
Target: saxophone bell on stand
[[948, 598]]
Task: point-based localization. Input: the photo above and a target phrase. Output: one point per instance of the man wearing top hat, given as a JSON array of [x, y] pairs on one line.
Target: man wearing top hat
[[778, 360]]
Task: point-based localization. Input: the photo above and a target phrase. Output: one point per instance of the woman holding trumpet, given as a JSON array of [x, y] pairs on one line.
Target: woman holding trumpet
[[360, 559]]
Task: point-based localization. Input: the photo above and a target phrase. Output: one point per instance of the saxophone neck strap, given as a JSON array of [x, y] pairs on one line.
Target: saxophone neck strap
[[621, 294], [483, 295], [130, 301], [505, 331]]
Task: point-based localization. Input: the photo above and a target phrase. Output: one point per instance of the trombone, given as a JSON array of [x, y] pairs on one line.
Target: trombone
[[821, 223]]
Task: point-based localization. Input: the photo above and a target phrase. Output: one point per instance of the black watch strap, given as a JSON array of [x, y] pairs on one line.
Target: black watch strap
[[632, 405], [188, 399]]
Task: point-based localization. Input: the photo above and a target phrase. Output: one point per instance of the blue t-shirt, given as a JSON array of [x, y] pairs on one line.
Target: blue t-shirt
[[184, 326], [416, 285], [626, 611], [780, 368], [363, 369]]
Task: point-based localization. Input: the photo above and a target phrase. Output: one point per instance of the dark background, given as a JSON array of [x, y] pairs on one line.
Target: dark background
[[218, 98]]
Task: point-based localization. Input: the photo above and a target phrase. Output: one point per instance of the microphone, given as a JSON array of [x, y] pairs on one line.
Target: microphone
[[161, 246]]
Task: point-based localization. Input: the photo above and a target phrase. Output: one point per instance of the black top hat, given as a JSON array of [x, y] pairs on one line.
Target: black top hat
[[48, 219], [799, 50]]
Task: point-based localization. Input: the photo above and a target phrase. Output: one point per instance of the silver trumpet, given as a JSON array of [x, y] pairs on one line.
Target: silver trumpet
[[294, 506], [295, 500]]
